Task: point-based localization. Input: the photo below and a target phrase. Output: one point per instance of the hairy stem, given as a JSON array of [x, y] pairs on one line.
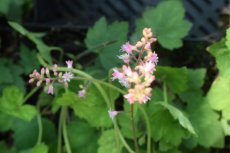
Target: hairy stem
[[30, 94], [134, 130], [65, 134], [165, 93], [40, 128], [148, 128], [59, 146]]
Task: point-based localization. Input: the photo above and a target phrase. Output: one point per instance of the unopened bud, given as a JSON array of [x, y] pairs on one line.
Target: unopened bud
[[31, 80]]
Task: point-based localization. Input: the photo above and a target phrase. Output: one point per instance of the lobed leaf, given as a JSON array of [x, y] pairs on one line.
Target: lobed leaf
[[167, 22]]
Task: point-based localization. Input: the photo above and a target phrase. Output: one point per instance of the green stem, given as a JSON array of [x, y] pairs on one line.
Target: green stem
[[40, 128], [148, 128], [121, 137], [59, 146], [65, 134], [30, 94], [104, 95], [165, 93], [134, 130]]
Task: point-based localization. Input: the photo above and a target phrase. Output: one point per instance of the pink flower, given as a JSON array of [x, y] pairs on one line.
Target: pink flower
[[117, 74], [127, 47], [47, 72], [47, 81], [69, 64], [148, 46], [31, 80], [125, 58], [112, 114], [50, 90], [67, 76], [43, 71], [130, 98], [55, 69], [149, 67], [154, 58], [81, 93], [127, 70], [39, 83], [124, 82]]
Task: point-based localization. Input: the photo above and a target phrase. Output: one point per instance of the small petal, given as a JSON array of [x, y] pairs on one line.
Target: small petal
[[50, 90], [127, 47], [81, 93], [31, 80], [112, 114], [47, 72], [47, 81], [55, 69], [125, 58], [69, 64], [154, 58], [67, 76], [117, 74]]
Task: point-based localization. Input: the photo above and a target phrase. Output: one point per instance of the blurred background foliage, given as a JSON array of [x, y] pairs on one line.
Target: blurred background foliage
[[195, 118]]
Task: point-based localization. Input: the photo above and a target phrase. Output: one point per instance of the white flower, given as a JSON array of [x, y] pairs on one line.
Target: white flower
[[112, 114], [67, 76]]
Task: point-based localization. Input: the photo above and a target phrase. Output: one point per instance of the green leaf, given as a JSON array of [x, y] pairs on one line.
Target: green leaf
[[36, 39], [104, 40], [26, 133], [219, 94], [5, 76], [165, 128], [196, 78], [195, 82], [11, 104], [4, 6], [222, 60], [6, 122], [28, 59], [49, 131], [215, 47], [228, 38], [175, 78], [82, 137], [40, 148], [108, 143], [11, 97], [178, 115], [92, 107], [67, 99], [206, 124], [11, 74], [226, 126], [5, 149], [96, 35], [124, 120], [167, 22]]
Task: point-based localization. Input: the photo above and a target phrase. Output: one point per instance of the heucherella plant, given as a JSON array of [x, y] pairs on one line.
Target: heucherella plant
[[137, 73], [137, 76]]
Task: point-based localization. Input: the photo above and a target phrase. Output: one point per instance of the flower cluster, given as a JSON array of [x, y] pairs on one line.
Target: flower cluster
[[49, 78], [137, 76]]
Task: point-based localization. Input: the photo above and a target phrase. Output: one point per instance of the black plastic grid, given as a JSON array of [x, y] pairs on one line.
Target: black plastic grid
[[204, 14]]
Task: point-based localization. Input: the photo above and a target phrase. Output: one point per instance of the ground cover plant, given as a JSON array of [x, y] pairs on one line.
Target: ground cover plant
[[122, 92]]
